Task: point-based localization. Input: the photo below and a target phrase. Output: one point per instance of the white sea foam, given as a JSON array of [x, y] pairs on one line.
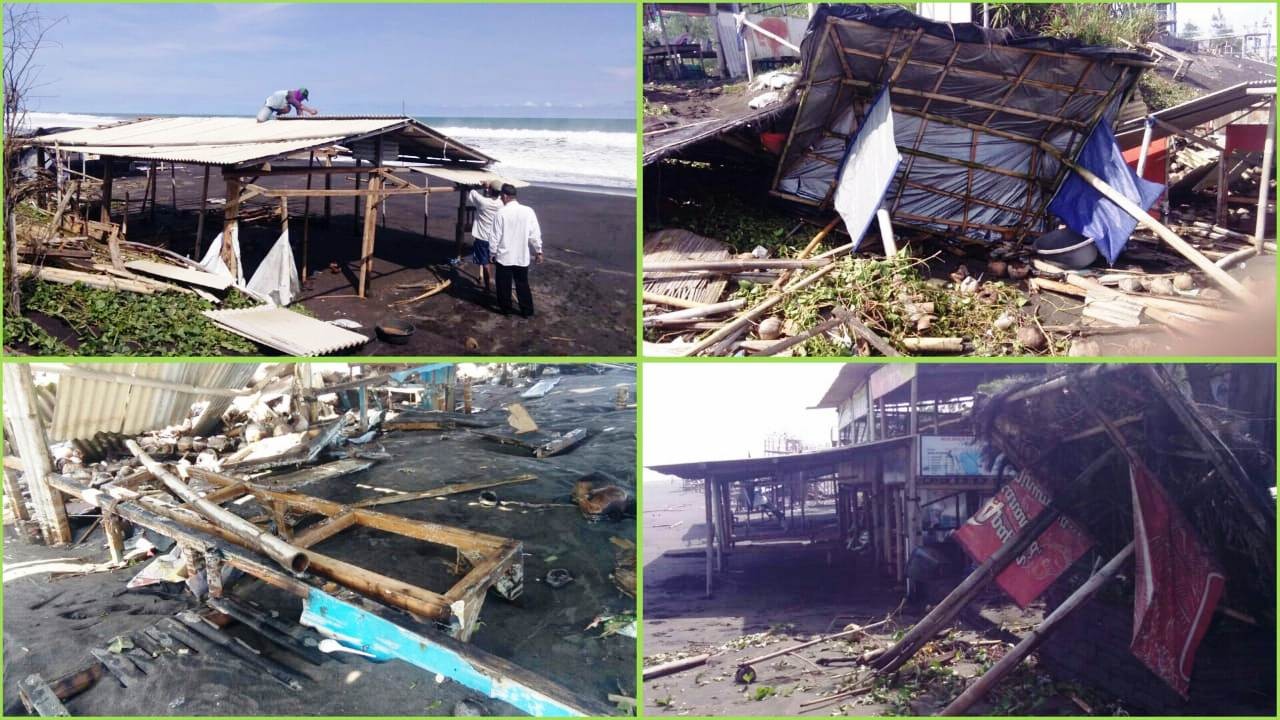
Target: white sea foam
[[37, 120]]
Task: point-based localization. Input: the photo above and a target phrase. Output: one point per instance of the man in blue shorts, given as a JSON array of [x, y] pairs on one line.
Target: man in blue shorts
[[487, 203]]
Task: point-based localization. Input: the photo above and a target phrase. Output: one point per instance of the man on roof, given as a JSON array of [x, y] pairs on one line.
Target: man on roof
[[280, 102]]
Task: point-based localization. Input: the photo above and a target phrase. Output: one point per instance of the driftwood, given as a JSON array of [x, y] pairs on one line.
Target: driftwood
[[675, 666], [1082, 595], [293, 558]]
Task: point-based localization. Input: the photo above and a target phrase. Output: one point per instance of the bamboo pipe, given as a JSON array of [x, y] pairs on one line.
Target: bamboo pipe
[[733, 265], [1082, 595], [696, 313], [292, 558], [808, 249], [670, 301]]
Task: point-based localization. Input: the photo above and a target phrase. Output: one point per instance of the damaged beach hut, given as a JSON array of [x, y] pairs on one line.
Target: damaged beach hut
[[988, 155], [280, 173]]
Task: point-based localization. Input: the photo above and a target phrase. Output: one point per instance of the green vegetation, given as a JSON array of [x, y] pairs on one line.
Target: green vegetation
[[655, 109], [880, 292], [763, 692], [123, 323], [1091, 23], [1159, 93], [734, 220]]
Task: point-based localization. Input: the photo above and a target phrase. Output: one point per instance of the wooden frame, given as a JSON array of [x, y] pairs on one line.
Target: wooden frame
[[496, 562]]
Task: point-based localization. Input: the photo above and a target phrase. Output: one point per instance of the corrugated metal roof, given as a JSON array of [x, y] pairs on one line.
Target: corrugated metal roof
[[86, 406], [287, 331], [227, 141], [465, 176], [1192, 113]]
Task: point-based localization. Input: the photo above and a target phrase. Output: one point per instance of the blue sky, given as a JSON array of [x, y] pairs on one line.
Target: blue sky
[[460, 60]]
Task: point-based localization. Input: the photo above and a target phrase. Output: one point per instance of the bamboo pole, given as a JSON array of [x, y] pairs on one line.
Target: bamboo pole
[[697, 313], [1144, 218], [370, 232], [292, 558], [675, 302], [945, 611], [306, 220], [675, 666], [808, 249], [733, 265], [1014, 657]]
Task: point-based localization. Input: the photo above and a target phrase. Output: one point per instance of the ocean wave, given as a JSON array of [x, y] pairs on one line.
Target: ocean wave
[[34, 120]]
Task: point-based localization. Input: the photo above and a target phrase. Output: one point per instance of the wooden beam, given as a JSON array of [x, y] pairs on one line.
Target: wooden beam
[[443, 491], [300, 192], [106, 190], [33, 447], [325, 529]]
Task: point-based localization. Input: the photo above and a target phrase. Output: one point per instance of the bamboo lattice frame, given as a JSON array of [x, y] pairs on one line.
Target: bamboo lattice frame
[[978, 117]]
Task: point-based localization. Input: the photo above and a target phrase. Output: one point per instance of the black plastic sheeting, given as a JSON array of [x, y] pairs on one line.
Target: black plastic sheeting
[[983, 63]]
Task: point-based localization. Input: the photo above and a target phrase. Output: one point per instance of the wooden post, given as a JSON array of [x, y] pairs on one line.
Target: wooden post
[[328, 185], [364, 408], [911, 499], [306, 221], [230, 223], [14, 492], [115, 535], [355, 201], [204, 205], [370, 230], [1220, 207], [707, 482], [1264, 184], [106, 189], [1014, 657], [173, 187], [459, 229], [33, 447], [426, 205], [151, 183]]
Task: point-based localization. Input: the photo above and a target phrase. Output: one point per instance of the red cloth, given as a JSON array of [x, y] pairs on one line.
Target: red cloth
[[1177, 584]]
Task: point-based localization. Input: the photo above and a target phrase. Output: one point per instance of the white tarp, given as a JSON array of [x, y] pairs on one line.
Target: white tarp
[[213, 258], [869, 166], [276, 279]]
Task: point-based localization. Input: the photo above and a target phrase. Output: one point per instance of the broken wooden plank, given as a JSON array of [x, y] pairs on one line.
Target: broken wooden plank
[[443, 491], [541, 388], [63, 276], [39, 698], [561, 444], [120, 668], [327, 471]]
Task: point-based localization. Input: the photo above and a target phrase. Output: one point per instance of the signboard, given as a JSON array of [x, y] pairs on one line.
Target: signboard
[[890, 377], [1013, 508], [952, 456]]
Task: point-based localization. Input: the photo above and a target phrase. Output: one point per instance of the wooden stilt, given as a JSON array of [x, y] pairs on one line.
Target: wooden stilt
[[29, 438], [115, 535], [151, 182], [370, 231], [710, 533], [231, 224], [460, 228], [204, 205], [1264, 183], [355, 203], [328, 185], [106, 190], [173, 187]]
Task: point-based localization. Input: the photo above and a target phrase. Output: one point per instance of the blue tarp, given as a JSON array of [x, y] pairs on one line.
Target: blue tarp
[[1086, 211]]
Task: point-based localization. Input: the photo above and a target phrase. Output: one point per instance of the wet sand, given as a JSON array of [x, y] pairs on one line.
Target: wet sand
[[584, 294]]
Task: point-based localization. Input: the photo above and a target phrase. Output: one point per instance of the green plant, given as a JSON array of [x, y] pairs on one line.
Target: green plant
[[123, 323], [763, 692], [1160, 93]]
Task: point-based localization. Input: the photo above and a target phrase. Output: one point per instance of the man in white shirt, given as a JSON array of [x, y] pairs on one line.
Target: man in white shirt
[[517, 240], [487, 204]]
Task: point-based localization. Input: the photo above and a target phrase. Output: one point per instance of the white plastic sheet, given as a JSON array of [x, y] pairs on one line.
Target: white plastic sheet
[[212, 260], [276, 279], [869, 166]]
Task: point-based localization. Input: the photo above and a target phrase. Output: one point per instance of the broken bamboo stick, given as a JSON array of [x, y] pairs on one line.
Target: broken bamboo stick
[[741, 321], [293, 558], [945, 611], [696, 313], [669, 301], [675, 666], [1082, 595], [943, 345], [745, 667], [734, 265], [808, 249]]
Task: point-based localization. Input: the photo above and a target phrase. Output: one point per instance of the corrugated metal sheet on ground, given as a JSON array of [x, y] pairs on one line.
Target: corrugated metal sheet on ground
[[468, 177], [86, 406], [287, 331], [1203, 109], [181, 274], [672, 245], [237, 140]]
